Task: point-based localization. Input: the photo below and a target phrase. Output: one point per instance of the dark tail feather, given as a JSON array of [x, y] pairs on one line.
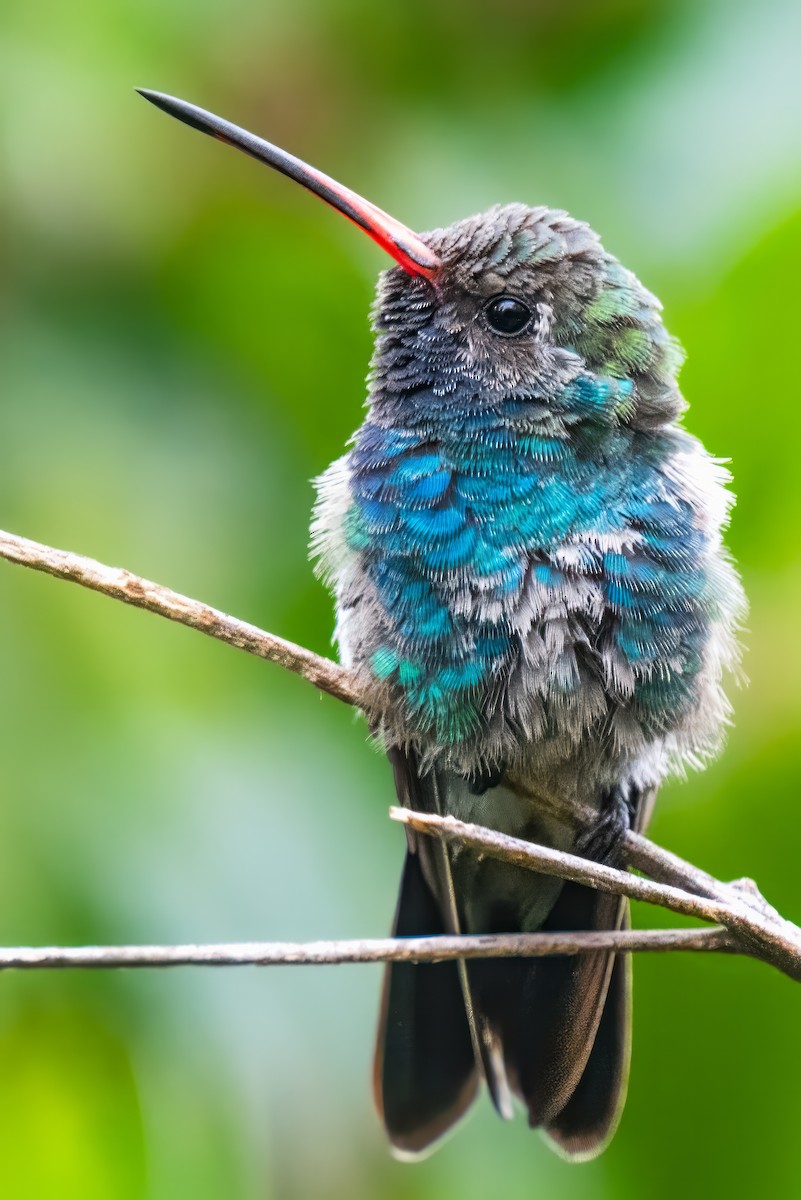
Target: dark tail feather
[[425, 1070], [588, 1121]]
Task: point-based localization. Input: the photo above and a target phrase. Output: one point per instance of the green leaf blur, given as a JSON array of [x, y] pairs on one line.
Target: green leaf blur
[[184, 344]]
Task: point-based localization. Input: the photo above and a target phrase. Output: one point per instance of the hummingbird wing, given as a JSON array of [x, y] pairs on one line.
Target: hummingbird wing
[[425, 1073]]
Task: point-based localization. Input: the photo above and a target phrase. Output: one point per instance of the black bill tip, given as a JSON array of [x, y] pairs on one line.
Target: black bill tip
[[175, 108]]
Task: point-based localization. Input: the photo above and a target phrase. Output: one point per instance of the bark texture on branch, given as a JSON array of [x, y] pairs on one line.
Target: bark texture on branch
[[363, 950], [119, 584]]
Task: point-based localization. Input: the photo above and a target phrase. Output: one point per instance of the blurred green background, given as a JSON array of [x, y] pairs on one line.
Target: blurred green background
[[184, 348]]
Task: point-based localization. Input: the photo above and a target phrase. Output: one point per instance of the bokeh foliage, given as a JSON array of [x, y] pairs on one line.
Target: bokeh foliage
[[184, 348]]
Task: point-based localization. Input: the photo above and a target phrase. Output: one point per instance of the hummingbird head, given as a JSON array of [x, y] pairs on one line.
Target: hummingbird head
[[523, 302], [508, 306]]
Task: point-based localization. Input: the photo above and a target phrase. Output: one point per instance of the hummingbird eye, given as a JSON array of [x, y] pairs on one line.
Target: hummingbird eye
[[507, 315]]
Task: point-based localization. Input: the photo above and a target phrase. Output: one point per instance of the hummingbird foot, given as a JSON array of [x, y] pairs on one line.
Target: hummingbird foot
[[601, 843]]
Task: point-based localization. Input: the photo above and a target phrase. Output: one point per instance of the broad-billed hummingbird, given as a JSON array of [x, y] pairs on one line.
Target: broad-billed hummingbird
[[524, 546]]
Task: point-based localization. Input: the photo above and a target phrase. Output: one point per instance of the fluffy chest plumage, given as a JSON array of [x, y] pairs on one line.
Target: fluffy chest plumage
[[501, 582]]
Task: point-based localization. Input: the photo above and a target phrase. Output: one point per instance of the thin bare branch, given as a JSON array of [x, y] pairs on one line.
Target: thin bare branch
[[363, 950], [120, 584]]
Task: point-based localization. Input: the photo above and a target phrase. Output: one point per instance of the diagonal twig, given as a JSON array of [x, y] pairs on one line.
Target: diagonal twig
[[119, 584]]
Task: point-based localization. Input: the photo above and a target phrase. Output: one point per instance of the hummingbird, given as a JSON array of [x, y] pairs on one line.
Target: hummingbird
[[525, 550]]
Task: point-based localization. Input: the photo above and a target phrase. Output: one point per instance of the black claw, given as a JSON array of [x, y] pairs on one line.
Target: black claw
[[602, 842]]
